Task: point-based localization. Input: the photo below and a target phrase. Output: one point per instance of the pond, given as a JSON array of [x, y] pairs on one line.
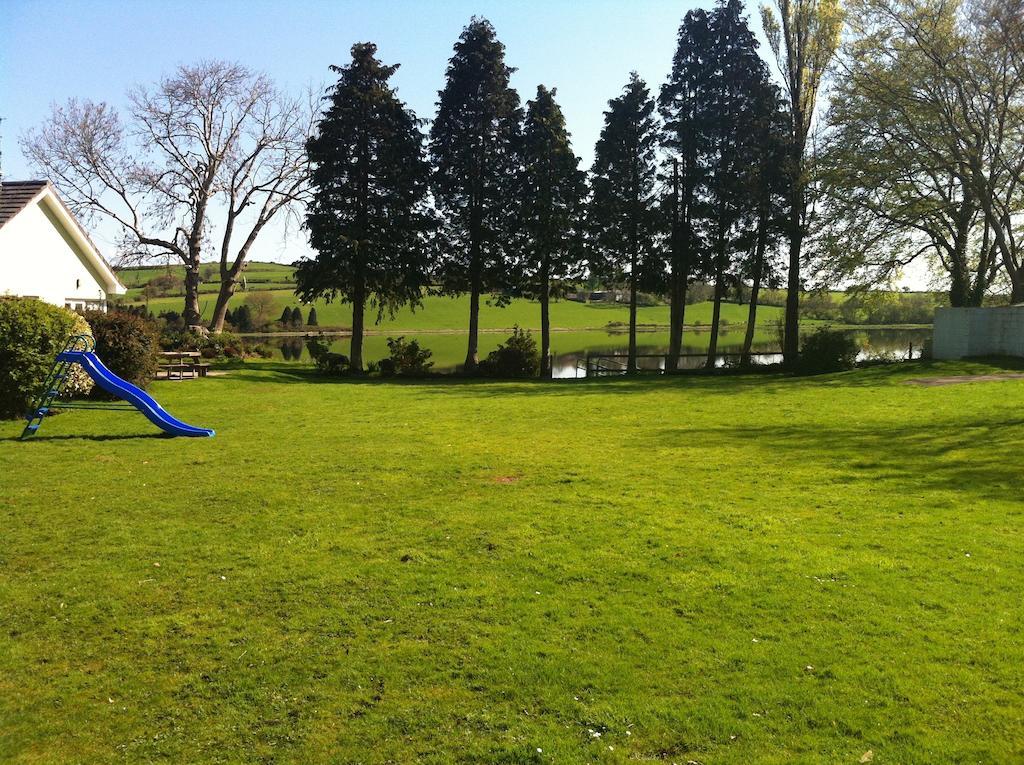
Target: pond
[[571, 349]]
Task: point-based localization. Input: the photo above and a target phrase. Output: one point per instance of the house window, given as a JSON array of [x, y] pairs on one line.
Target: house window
[[78, 284]]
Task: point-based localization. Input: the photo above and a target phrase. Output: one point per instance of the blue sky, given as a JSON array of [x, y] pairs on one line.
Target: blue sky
[[97, 49]]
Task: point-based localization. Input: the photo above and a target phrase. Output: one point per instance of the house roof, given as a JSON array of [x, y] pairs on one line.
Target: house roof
[[15, 196]]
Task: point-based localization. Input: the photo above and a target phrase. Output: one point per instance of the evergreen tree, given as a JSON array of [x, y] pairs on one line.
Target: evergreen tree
[[769, 191], [368, 219], [286, 316], [312, 320], [729, 144], [678, 104], [296, 321], [551, 189], [474, 143], [243, 318], [622, 218]]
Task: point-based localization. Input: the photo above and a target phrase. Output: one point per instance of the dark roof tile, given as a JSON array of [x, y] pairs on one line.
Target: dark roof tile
[[14, 195]]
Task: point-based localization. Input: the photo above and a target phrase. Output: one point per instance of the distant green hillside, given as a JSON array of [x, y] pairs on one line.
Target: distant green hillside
[[264, 276], [445, 313], [436, 313]]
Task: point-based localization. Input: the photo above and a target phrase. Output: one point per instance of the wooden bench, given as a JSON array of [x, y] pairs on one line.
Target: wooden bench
[[184, 370]]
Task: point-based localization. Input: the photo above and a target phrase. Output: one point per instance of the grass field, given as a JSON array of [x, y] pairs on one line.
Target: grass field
[[452, 314], [256, 274], [718, 570], [436, 313]]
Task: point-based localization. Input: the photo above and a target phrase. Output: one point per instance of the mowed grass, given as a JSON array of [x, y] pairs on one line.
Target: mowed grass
[[719, 570], [255, 272], [440, 313]]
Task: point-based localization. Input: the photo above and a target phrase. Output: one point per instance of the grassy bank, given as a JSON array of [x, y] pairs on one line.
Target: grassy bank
[[721, 570]]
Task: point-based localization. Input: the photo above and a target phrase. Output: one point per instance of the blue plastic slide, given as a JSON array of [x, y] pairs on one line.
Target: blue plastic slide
[[134, 395]]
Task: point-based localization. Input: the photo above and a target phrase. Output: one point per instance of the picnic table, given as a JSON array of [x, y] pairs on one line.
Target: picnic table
[[182, 365]]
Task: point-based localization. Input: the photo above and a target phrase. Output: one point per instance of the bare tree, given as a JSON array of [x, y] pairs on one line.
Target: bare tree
[[210, 154]]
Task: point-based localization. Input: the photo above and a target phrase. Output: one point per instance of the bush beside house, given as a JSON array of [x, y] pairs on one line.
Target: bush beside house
[[127, 344], [32, 333]]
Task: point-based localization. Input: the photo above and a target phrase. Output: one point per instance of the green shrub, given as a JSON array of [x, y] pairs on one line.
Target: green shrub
[[32, 333], [126, 344], [297, 317], [407, 358], [312, 320], [516, 357], [828, 350], [242, 318], [286, 315], [326, 362]]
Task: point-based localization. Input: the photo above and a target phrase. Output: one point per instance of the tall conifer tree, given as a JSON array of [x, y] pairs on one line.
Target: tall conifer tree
[[731, 149], [682, 105], [551, 189], [369, 218], [474, 142], [622, 217]]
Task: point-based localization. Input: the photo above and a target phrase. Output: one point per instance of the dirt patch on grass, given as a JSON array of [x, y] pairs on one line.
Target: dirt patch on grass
[[506, 479], [956, 379]]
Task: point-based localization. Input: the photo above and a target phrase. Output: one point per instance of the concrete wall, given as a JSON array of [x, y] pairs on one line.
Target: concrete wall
[[962, 332], [37, 259]]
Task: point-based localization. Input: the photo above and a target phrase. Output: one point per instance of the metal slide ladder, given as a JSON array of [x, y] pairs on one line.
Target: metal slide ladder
[[54, 385]]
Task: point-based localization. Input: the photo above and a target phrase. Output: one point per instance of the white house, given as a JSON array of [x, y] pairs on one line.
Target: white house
[[45, 253]]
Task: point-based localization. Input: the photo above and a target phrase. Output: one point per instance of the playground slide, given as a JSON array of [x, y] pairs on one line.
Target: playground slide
[[134, 395]]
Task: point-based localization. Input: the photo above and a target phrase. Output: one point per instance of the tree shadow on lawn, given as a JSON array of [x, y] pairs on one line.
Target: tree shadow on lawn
[[454, 384], [41, 438], [914, 455], [727, 383]]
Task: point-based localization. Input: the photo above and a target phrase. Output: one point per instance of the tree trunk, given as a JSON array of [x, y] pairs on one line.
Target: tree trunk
[[1016, 292], [224, 295], [791, 336], [716, 314], [960, 269], [358, 312], [755, 287], [472, 356], [192, 280], [631, 358], [677, 287], [675, 330], [545, 321]]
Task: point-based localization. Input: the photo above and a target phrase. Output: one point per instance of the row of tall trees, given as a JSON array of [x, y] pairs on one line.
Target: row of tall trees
[[695, 184]]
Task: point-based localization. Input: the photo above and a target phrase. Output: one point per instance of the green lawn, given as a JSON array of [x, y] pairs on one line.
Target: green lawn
[[446, 313], [718, 570]]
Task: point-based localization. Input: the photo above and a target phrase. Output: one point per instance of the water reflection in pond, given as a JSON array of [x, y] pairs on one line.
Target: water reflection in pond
[[571, 349]]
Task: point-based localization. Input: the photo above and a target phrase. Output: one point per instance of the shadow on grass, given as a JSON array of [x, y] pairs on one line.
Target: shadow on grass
[[966, 456], [711, 383], [88, 437]]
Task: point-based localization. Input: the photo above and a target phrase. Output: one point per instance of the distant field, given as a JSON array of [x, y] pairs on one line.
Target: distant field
[[255, 273], [445, 313]]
